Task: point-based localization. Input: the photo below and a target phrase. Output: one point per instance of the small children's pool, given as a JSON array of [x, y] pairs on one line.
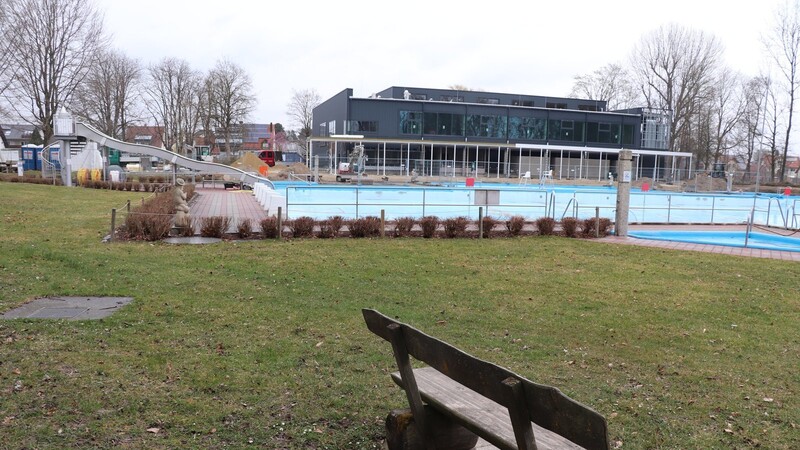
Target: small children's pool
[[727, 238]]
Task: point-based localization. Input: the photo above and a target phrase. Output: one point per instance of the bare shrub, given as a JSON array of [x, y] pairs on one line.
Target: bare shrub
[[588, 227], [546, 226], [569, 225], [269, 227], [403, 226], [369, 226], [215, 226], [489, 223], [429, 224], [455, 227], [244, 228], [514, 225], [302, 227], [329, 228]]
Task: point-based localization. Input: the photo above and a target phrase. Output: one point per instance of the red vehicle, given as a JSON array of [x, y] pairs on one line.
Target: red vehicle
[[269, 157]]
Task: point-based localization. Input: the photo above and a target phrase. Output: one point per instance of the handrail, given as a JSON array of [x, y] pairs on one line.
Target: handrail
[[306, 180], [45, 158], [780, 211], [550, 211], [750, 226], [574, 208]]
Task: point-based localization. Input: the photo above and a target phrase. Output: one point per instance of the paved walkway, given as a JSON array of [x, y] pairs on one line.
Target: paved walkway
[[242, 204], [236, 204]]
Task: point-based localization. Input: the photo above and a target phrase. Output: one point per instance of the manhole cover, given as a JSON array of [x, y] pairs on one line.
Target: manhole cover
[[193, 240], [71, 308]]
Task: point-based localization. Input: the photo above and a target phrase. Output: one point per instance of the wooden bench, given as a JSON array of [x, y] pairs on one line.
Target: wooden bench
[[496, 404]]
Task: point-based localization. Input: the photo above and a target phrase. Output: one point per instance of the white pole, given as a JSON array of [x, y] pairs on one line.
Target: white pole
[[408, 158]]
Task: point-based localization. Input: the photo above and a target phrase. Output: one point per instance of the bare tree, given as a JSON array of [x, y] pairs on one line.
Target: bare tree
[[783, 44], [750, 128], [231, 97], [50, 46], [301, 110], [107, 97], [728, 107], [772, 132], [675, 67], [172, 94], [610, 83]]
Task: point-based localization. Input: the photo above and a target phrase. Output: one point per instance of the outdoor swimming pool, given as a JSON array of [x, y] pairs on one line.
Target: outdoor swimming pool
[[532, 201], [762, 241]]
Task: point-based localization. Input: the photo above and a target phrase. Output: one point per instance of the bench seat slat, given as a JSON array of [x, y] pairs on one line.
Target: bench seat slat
[[482, 416]]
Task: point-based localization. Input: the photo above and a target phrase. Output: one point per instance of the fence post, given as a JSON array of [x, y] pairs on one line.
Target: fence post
[[113, 223], [597, 221], [383, 223], [128, 206], [423, 202], [669, 208], [280, 222], [480, 222]]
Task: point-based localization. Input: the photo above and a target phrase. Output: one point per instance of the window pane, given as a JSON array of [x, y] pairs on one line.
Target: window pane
[[627, 135], [458, 125], [554, 130], [430, 123]]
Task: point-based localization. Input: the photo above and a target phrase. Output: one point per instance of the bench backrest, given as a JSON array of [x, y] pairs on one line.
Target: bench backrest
[[548, 407]]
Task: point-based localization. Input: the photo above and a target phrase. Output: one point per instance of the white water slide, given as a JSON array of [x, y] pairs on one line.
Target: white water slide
[[86, 131]]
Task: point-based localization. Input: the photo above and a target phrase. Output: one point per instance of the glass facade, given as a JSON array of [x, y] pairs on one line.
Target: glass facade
[[444, 124], [486, 126], [512, 127], [565, 130], [529, 128], [362, 126], [410, 122]]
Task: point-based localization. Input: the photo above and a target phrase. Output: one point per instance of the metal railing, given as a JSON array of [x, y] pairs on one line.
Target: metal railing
[[645, 207]]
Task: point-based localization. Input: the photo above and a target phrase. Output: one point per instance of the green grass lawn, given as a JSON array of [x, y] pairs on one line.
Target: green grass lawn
[[261, 343]]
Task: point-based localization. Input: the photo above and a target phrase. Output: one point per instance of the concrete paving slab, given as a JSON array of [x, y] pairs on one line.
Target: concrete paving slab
[[70, 308]]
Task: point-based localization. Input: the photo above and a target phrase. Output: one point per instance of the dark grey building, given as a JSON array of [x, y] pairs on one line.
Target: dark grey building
[[442, 132]]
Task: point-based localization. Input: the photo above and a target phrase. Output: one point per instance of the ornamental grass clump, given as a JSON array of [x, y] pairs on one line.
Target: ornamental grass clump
[[369, 226], [151, 221], [546, 226], [455, 227], [514, 225], [403, 226], [429, 224], [569, 226], [215, 226], [302, 227]]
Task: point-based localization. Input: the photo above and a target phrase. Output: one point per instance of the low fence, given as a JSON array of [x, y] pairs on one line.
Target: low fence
[[645, 207]]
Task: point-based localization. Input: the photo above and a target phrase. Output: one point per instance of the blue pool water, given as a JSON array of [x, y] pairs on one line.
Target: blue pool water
[[727, 238]]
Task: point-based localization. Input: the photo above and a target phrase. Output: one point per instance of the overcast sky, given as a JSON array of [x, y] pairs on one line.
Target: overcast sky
[[526, 47]]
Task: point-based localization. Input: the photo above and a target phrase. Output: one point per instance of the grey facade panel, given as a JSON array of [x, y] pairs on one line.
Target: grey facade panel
[[386, 110]]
